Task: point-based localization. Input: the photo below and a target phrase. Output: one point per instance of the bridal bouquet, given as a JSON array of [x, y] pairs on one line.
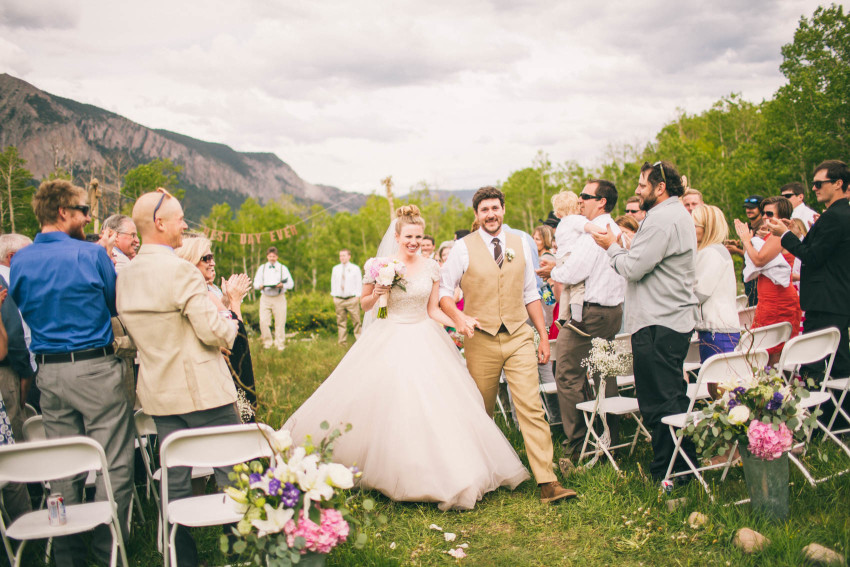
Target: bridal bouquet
[[759, 411], [293, 507], [385, 271]]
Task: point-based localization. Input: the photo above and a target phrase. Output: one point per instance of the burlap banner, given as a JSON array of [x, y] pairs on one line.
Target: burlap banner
[[251, 237]]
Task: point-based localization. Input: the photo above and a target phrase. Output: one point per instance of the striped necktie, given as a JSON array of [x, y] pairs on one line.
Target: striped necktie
[[497, 252]]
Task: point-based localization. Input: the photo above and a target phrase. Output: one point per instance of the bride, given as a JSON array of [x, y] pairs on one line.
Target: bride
[[420, 432]]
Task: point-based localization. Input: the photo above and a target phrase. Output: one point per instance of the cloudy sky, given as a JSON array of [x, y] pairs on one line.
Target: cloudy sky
[[458, 94]]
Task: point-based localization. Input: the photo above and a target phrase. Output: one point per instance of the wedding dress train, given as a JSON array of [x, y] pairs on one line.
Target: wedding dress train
[[419, 429]]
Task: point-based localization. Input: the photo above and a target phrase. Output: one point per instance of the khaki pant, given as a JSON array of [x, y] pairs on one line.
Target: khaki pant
[[347, 307], [486, 357], [15, 496], [273, 306]]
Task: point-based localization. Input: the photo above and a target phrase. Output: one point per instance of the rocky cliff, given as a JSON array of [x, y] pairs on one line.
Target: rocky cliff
[[50, 131]]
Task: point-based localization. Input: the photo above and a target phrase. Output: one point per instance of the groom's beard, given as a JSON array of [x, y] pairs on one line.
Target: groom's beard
[[492, 232]]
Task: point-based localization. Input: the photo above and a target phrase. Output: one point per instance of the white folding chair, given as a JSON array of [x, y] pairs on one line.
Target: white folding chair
[[211, 447], [499, 405], [50, 460], [723, 367], [624, 344], [808, 349], [840, 387], [34, 431], [692, 360], [549, 388], [763, 338], [741, 302], [746, 316], [601, 407], [29, 411]]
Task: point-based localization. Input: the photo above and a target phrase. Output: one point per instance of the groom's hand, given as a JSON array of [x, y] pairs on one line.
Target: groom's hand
[[543, 353], [466, 325]]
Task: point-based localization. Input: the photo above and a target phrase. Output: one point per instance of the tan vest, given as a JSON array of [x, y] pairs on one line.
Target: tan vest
[[494, 296]]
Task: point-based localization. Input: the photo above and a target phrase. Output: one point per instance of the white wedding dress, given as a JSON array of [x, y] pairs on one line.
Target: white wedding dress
[[419, 429]]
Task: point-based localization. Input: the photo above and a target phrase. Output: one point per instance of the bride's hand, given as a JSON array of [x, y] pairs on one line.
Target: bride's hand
[[467, 326], [381, 290]]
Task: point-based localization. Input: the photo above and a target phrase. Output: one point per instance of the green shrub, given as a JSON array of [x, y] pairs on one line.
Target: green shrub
[[305, 312]]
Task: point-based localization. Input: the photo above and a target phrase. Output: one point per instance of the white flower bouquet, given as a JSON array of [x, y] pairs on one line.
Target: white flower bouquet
[[385, 271], [295, 504]]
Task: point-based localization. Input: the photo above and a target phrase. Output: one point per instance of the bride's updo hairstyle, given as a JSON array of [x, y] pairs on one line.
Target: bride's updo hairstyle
[[408, 214]]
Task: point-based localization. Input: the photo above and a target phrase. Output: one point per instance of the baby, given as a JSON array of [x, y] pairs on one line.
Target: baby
[[572, 225]]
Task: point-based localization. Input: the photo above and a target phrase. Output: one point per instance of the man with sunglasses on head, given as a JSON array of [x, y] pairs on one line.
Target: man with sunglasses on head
[[633, 209], [752, 210], [184, 381], [661, 307], [795, 192], [65, 289], [825, 256]]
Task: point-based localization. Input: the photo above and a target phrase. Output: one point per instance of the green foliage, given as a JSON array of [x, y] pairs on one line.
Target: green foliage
[[16, 191], [147, 177]]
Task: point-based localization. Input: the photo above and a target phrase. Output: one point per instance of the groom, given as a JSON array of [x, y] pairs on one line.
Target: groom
[[493, 270]]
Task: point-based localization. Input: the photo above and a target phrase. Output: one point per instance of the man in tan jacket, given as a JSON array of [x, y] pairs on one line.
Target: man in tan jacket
[[183, 378]]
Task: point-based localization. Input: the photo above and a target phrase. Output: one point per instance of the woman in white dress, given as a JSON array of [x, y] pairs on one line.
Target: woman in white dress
[[419, 429]]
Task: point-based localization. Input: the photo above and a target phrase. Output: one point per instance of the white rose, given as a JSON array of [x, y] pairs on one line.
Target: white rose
[[739, 415], [340, 476], [386, 275], [281, 440]]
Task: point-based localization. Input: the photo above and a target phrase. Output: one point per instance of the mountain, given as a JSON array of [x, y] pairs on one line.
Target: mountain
[[51, 131]]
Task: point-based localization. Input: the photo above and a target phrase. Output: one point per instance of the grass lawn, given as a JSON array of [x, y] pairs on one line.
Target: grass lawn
[[617, 519]]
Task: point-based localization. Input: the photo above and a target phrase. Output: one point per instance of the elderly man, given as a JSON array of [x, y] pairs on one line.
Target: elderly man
[[661, 308], [17, 370], [123, 230], [602, 313], [65, 289], [184, 381]]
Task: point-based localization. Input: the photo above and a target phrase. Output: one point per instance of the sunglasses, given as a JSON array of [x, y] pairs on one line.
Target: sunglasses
[[82, 208], [768, 214], [585, 197], [788, 195], [752, 201], [208, 258], [632, 211], [819, 184], [660, 166], [161, 199]]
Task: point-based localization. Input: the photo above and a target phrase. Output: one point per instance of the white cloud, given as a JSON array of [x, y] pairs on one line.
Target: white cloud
[[455, 93]]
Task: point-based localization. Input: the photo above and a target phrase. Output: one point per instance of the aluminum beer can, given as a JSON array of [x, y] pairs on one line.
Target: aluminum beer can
[[56, 510]]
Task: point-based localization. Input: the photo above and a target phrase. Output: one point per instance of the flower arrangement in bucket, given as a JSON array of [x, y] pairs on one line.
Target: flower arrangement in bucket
[[384, 271], [295, 508], [760, 413]]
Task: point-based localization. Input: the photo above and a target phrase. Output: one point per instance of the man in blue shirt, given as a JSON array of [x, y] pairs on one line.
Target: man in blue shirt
[[65, 289]]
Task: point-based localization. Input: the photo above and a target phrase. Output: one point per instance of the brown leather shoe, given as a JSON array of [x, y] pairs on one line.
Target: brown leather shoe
[[553, 491]]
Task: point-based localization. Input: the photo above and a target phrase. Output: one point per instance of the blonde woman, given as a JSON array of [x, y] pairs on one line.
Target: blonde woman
[[718, 326], [197, 251]]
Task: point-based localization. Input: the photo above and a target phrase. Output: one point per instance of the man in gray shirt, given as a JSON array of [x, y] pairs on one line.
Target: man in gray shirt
[[660, 306]]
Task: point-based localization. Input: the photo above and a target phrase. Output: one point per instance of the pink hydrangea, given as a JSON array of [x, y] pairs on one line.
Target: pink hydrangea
[[330, 532], [767, 444]]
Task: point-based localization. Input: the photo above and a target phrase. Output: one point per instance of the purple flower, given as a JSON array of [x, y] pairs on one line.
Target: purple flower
[[274, 487], [739, 391], [254, 478], [732, 403], [290, 495], [775, 402]]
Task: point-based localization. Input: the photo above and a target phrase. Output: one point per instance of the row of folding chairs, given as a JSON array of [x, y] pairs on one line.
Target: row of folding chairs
[[42, 460], [726, 367]]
